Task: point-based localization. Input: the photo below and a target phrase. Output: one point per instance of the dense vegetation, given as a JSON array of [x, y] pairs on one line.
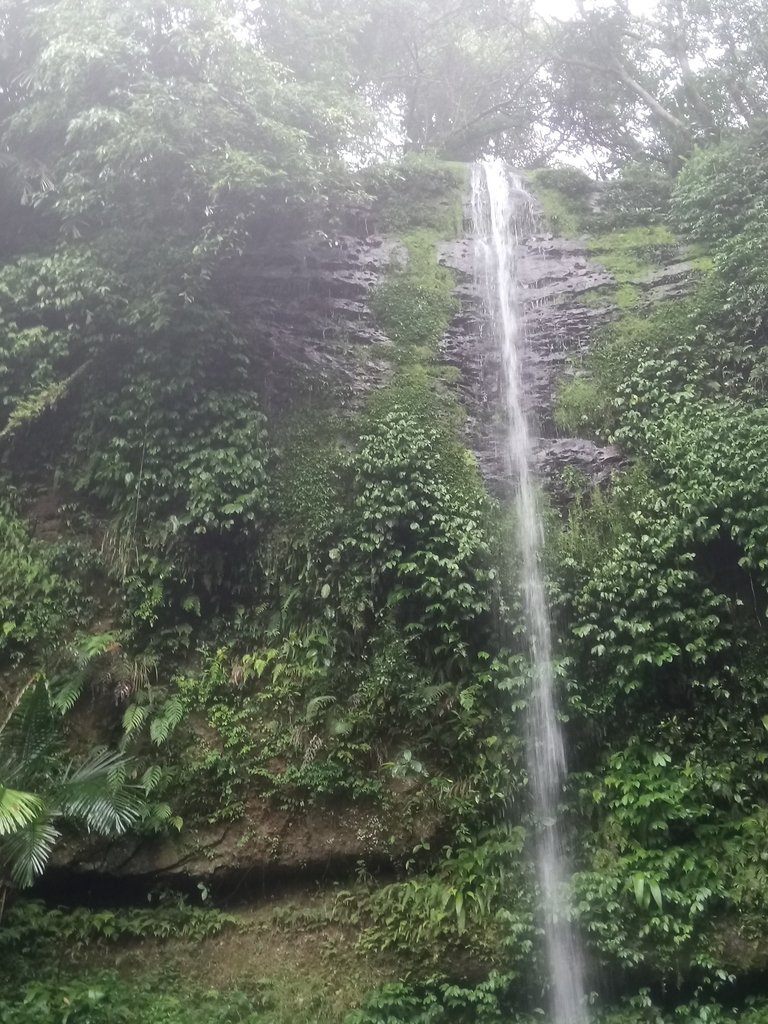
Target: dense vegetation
[[227, 603]]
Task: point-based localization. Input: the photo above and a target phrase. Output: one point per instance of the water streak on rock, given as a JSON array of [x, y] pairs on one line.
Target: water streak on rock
[[501, 214]]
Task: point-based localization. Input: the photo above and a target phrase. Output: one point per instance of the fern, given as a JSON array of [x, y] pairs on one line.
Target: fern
[[161, 727], [151, 778], [431, 695], [134, 717], [317, 704], [67, 695]]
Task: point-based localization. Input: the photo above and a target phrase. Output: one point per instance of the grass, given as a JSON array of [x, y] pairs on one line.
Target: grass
[[297, 954], [632, 253], [630, 256], [565, 212], [421, 192]]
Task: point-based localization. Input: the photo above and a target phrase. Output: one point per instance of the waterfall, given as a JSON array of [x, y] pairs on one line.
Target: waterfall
[[501, 212]]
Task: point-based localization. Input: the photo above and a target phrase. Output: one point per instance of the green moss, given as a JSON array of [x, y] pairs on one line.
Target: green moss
[[415, 305], [419, 193], [307, 475], [597, 297], [563, 196], [626, 296], [632, 253], [702, 264], [630, 256], [576, 404]]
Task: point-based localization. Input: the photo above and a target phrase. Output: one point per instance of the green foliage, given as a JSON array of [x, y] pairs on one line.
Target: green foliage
[[310, 610], [38, 602], [638, 196], [100, 790], [719, 199], [718, 191], [478, 900], [571, 181], [415, 546], [642, 360], [32, 927], [177, 455], [439, 1001], [106, 998], [42, 787], [307, 480], [662, 580], [420, 193], [562, 193], [379, 591]]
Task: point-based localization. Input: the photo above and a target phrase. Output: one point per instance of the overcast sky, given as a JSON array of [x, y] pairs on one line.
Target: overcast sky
[[566, 8]]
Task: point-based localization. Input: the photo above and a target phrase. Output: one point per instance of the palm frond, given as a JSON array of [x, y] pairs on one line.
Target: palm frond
[[29, 733], [28, 851], [97, 794], [18, 809]]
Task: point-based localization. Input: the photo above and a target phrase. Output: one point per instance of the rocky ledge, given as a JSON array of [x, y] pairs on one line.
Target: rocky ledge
[[554, 276]]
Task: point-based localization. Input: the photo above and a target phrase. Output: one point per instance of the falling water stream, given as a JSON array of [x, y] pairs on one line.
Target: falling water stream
[[501, 213]]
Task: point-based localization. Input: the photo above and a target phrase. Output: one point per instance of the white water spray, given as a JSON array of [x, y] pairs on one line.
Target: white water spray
[[501, 212]]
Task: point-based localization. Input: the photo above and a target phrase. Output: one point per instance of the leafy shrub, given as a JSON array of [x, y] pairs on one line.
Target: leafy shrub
[[420, 192], [640, 195], [180, 458], [477, 900], [720, 187], [571, 181], [440, 1001], [31, 925], [106, 998], [414, 545], [37, 601], [562, 193]]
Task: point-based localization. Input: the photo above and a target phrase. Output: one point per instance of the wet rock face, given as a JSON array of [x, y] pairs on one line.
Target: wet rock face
[[554, 274], [555, 455], [305, 305], [267, 845]]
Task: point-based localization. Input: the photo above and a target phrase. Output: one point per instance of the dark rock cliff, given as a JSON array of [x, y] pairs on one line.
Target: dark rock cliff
[[553, 274], [307, 306]]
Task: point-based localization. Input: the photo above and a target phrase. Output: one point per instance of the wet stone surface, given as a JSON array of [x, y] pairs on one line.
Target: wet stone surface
[[554, 275], [305, 307]]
